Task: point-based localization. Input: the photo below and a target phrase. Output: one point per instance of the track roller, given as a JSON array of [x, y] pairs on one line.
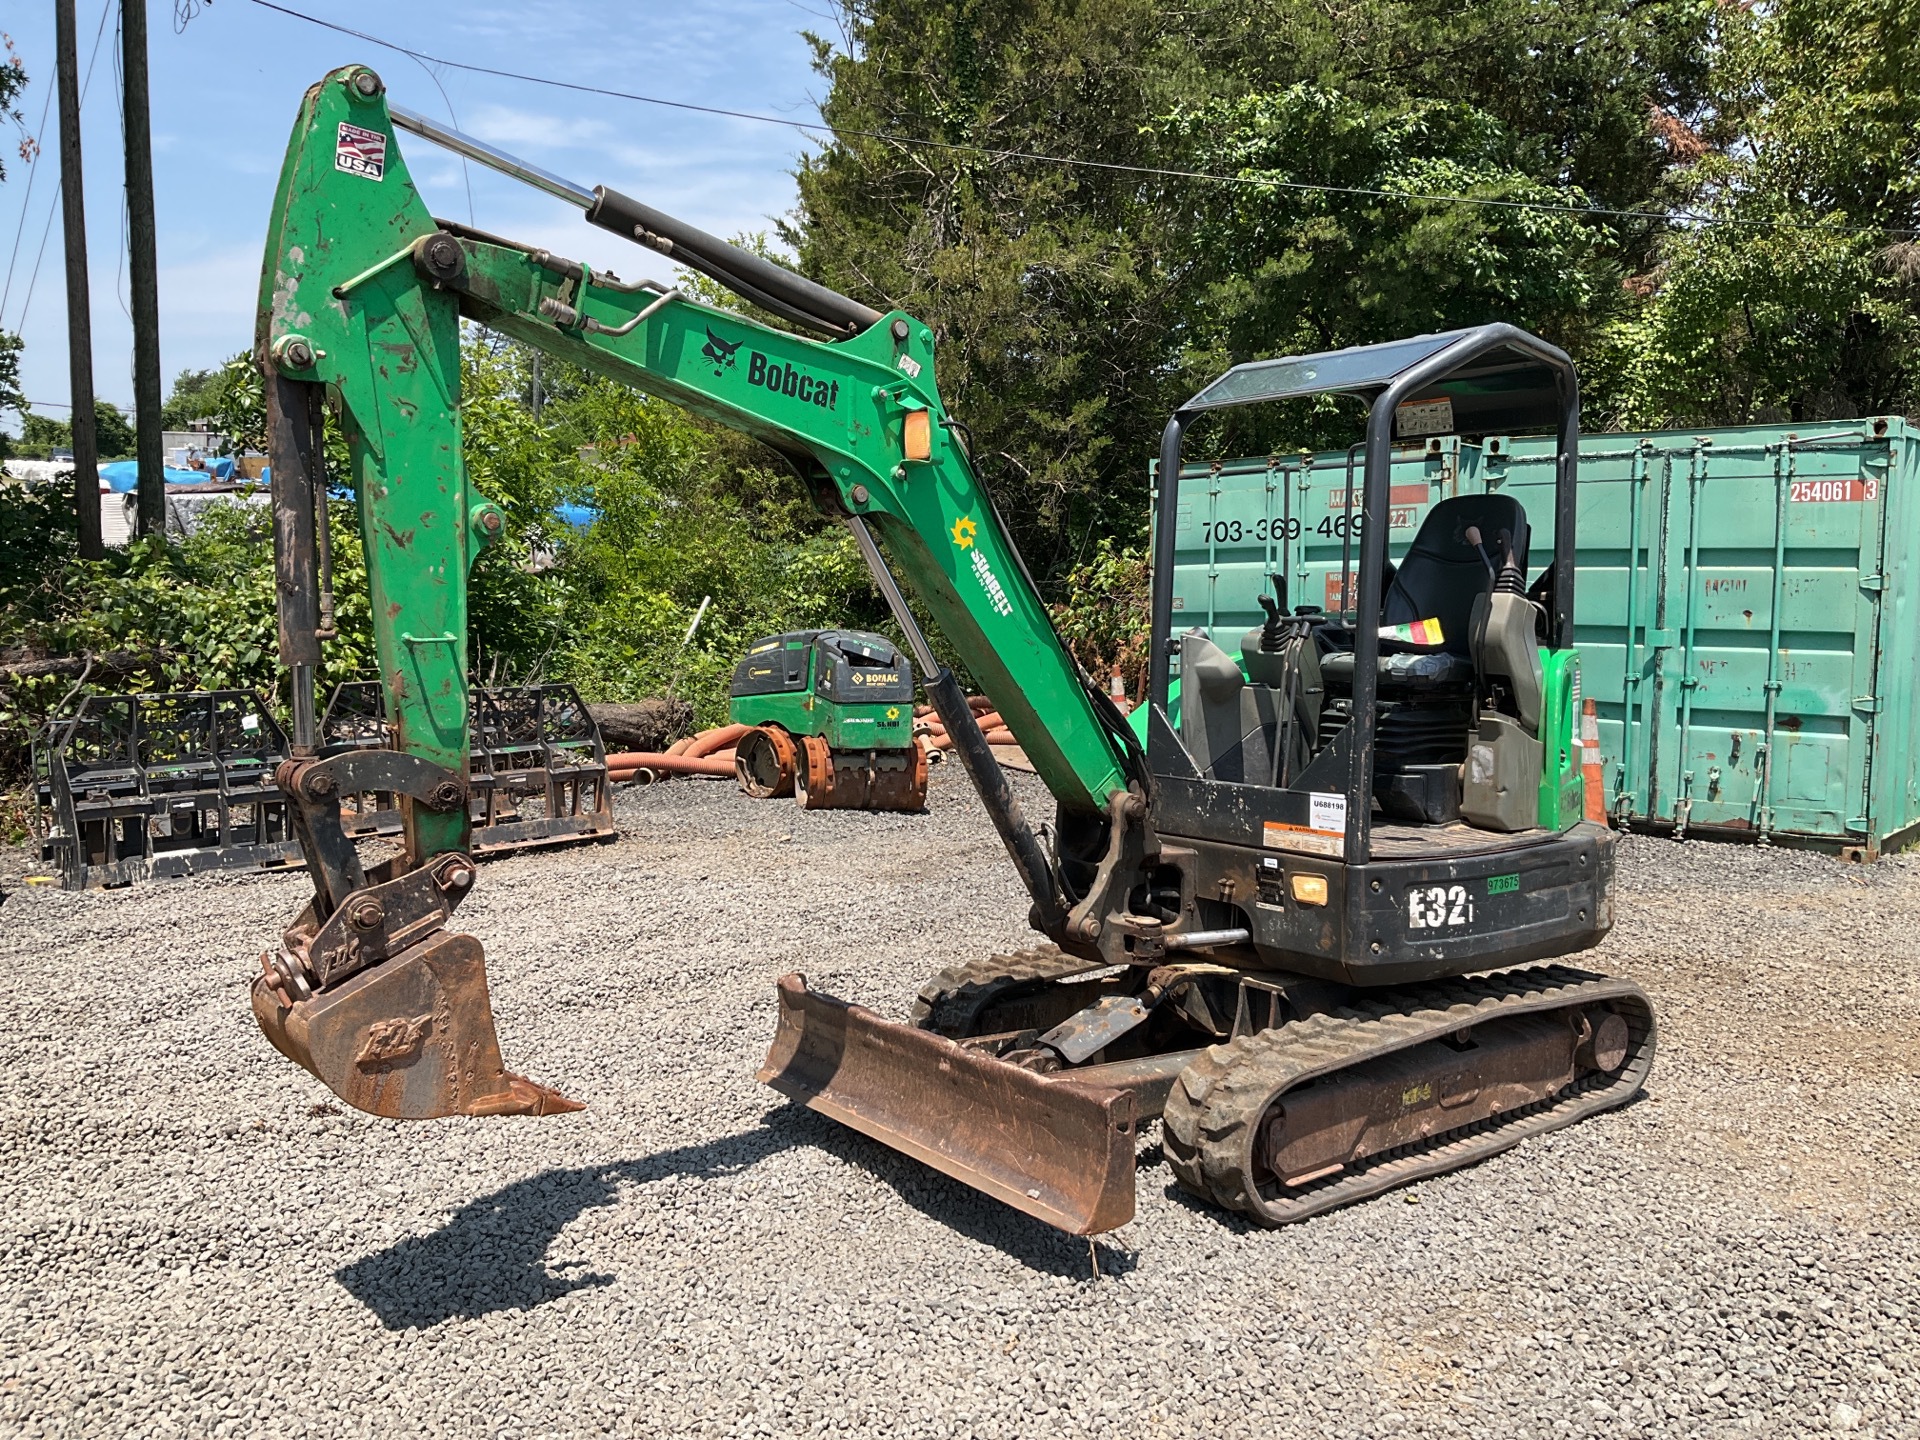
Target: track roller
[[1289, 1122]]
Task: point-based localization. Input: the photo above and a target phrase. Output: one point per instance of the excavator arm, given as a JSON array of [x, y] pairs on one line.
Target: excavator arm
[[361, 300]]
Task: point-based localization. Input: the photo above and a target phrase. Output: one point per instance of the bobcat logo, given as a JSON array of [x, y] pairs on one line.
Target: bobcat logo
[[719, 351]]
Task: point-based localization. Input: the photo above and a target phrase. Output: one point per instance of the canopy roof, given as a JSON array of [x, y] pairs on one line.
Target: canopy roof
[[1507, 388]]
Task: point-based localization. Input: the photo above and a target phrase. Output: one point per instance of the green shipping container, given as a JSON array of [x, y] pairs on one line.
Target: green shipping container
[[1745, 605]]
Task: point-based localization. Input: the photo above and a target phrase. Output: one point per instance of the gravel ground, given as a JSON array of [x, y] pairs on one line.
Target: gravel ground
[[192, 1241]]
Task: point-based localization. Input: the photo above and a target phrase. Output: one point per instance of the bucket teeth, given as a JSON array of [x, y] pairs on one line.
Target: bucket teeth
[[1058, 1149]]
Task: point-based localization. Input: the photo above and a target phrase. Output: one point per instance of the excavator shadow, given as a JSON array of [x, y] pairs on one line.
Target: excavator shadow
[[491, 1254], [956, 1206]]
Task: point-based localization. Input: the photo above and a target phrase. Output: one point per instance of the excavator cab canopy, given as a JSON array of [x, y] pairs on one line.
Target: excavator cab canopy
[[1327, 719], [1506, 389]]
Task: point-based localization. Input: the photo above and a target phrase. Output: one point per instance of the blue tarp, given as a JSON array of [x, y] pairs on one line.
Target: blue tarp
[[123, 476]]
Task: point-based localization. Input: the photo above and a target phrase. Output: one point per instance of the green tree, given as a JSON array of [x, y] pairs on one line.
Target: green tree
[[112, 431], [687, 511], [41, 434], [1796, 300], [194, 395], [1050, 289], [1075, 305], [1299, 269]]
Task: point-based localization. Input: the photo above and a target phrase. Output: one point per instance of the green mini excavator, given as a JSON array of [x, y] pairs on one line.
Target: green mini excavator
[[1274, 924]]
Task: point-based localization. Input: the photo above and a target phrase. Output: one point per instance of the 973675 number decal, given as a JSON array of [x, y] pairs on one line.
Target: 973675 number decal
[[1438, 907]]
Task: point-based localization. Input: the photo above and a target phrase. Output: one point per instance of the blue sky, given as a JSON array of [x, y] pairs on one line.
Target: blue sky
[[224, 95]]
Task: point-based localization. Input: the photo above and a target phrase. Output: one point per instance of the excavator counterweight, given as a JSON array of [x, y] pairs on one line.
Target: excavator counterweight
[[1271, 900]]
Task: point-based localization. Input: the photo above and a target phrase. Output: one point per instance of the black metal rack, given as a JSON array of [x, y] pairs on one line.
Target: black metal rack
[[537, 774], [166, 786]]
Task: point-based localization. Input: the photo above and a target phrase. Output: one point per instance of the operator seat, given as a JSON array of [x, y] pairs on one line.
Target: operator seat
[[1441, 578], [1444, 573], [1427, 693]]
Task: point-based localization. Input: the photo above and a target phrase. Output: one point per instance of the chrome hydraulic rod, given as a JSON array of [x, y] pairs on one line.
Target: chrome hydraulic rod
[[491, 157]]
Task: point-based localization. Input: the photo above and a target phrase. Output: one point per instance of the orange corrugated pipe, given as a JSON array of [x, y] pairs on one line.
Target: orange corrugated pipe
[[720, 738], [622, 765], [990, 720]]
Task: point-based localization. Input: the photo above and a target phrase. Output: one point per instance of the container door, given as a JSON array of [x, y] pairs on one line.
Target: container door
[[1832, 502], [1721, 619], [1624, 533]]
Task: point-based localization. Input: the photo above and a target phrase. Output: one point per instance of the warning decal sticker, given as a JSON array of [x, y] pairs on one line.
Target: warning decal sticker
[[1324, 834], [360, 152]]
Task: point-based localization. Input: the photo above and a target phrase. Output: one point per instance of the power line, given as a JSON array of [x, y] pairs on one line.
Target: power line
[[26, 202], [1077, 162], [86, 84]]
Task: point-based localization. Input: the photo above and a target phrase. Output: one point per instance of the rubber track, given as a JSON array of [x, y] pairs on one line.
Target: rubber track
[[951, 1001], [1213, 1112]]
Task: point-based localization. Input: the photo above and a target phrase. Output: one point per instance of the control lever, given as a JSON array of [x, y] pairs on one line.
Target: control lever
[[1472, 534], [1512, 580]]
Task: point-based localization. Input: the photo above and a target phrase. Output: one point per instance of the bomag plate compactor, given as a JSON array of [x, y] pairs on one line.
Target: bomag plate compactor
[[832, 717], [1274, 924]]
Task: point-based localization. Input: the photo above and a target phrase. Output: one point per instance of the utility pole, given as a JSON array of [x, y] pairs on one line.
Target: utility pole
[[143, 269], [73, 218]]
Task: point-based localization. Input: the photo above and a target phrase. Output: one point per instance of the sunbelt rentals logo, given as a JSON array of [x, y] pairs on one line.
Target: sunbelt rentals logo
[[965, 530]]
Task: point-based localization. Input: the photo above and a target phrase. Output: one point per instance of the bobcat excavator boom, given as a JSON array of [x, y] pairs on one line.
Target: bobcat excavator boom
[[1223, 951]]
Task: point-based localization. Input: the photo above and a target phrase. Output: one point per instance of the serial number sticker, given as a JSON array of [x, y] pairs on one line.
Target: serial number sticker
[[1502, 884], [1816, 491], [1438, 907], [1325, 832], [360, 152]]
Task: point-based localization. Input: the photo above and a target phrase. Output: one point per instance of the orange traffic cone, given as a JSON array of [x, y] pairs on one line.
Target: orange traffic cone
[[1590, 778]]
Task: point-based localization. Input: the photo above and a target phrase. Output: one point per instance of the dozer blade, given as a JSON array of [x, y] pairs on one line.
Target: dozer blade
[[1058, 1149], [411, 1038]]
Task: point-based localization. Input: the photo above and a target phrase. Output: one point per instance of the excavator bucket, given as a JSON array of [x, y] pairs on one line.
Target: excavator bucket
[[410, 1039], [1058, 1149]]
